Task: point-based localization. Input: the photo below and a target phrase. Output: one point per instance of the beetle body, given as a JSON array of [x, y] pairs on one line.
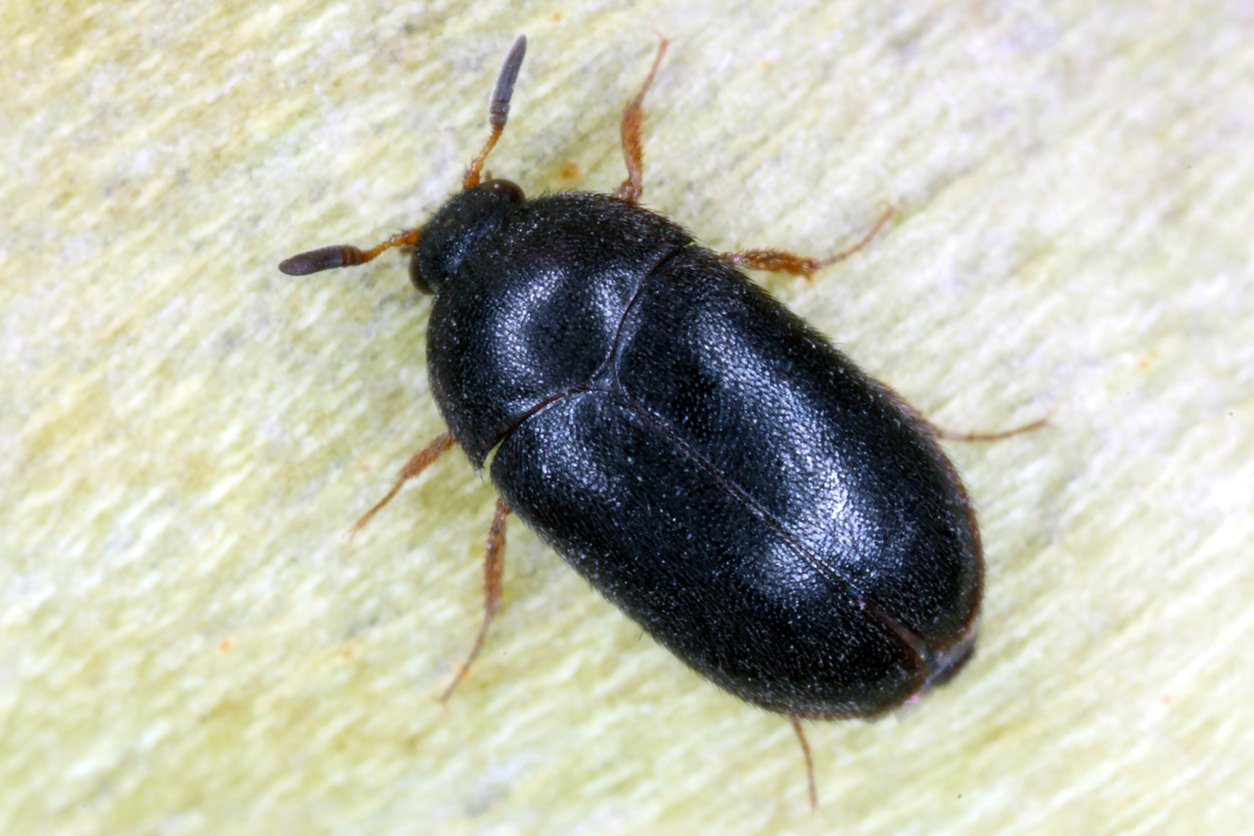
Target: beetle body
[[784, 523], [708, 462]]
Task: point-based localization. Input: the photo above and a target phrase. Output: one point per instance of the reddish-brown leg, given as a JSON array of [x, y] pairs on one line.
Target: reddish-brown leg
[[438, 447], [493, 564], [633, 149], [782, 261], [805, 749], [948, 435]]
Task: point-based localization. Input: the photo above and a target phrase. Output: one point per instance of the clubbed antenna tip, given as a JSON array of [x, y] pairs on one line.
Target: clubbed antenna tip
[[498, 108]]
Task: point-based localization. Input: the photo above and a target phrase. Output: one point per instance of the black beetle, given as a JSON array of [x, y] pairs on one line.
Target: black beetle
[[784, 523]]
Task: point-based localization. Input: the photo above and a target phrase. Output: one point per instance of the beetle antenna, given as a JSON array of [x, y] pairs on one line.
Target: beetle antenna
[[498, 108], [343, 255], [346, 255]]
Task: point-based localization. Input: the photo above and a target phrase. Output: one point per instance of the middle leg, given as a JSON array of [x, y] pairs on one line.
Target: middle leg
[[493, 566], [782, 261]]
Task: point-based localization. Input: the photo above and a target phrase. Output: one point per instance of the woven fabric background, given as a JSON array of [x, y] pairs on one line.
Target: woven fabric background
[[189, 646]]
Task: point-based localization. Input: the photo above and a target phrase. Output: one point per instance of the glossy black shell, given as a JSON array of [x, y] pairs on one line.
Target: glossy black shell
[[777, 518]]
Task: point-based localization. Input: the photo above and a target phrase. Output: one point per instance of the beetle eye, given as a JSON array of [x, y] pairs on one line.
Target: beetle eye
[[505, 188], [415, 276]]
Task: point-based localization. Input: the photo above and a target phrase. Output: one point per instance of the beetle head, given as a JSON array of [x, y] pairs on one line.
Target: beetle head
[[458, 228]]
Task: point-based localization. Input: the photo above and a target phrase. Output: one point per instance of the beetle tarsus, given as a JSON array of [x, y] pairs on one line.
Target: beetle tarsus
[[416, 464], [950, 435], [493, 565], [629, 129], [805, 750], [782, 261]]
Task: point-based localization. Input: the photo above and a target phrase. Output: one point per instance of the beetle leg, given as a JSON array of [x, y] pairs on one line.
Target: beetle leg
[[782, 261], [629, 129], [805, 750], [950, 435], [493, 564], [417, 464]]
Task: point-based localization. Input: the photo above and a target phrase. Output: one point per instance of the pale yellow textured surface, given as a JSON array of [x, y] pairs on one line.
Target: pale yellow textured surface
[[188, 646]]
